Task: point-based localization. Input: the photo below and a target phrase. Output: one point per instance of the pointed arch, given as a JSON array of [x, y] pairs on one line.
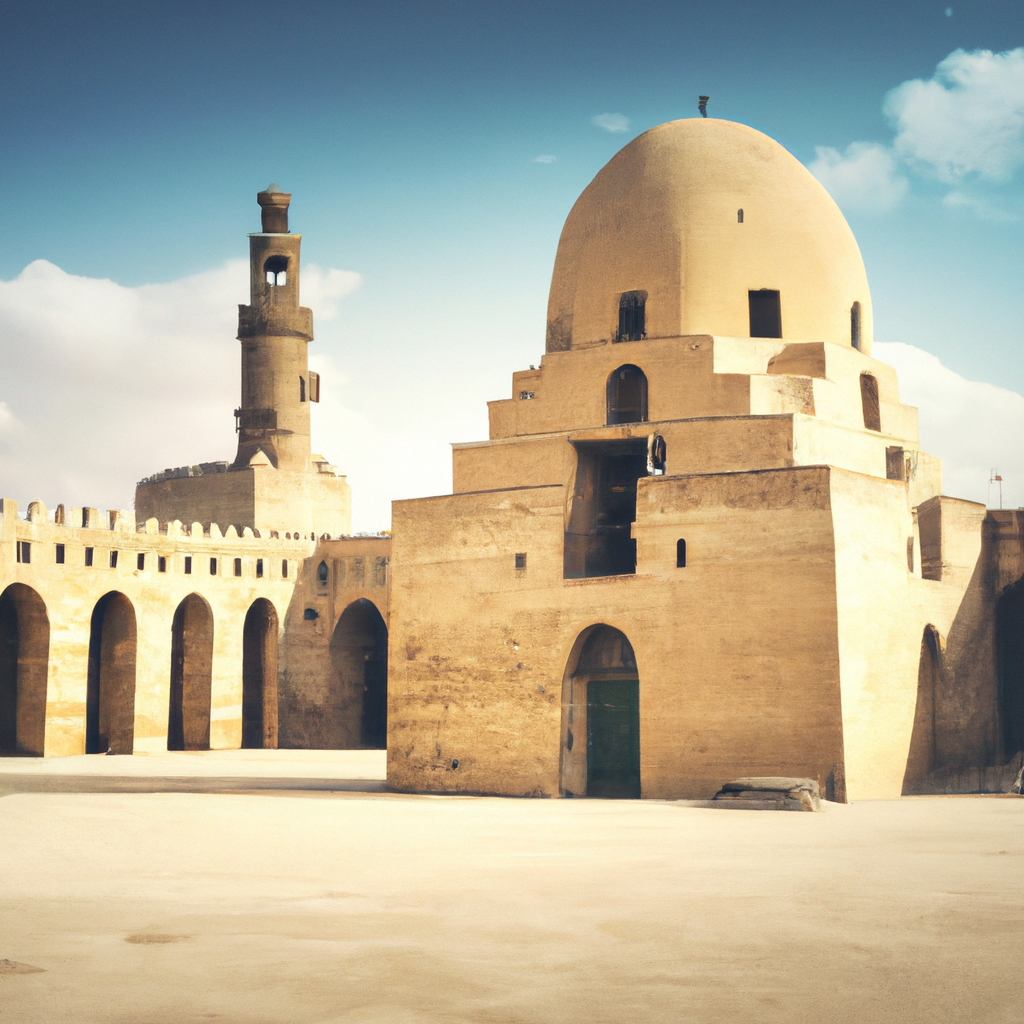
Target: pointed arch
[[259, 676], [110, 695], [188, 718], [626, 395], [24, 661], [358, 706], [921, 756]]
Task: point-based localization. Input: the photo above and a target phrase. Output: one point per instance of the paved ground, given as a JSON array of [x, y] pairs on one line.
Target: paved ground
[[281, 905]]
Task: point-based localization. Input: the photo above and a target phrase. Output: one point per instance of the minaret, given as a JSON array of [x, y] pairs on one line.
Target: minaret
[[274, 331]]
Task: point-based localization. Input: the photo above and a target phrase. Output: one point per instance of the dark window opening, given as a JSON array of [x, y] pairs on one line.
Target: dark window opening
[[680, 553], [632, 316], [910, 554], [213, 566], [657, 454], [321, 574], [310, 614], [302, 389], [626, 395], [599, 539], [765, 313], [521, 560], [284, 568], [238, 567], [88, 556], [895, 464], [161, 564], [140, 561], [24, 551], [259, 568], [188, 565], [855, 325], [739, 216], [60, 554], [113, 559], [276, 269], [869, 402]]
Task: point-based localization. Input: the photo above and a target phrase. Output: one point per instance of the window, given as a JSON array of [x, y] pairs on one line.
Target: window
[[161, 564], [238, 567], [284, 568], [259, 568], [765, 313], [302, 389], [188, 565], [895, 464], [276, 269], [113, 559], [321, 574], [627, 395], [739, 216], [910, 554], [869, 402], [213, 566], [24, 551], [632, 316], [140, 561], [88, 556], [855, 325], [521, 560], [60, 554], [525, 396], [680, 553]]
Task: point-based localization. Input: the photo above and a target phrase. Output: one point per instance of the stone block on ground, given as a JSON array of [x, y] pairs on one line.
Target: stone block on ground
[[770, 793]]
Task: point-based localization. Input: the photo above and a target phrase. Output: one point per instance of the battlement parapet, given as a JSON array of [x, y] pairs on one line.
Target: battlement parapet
[[178, 473]]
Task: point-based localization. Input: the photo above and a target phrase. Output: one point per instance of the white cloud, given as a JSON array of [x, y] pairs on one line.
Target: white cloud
[[611, 122], [967, 119], [865, 177], [972, 426], [544, 158], [980, 207], [104, 384]]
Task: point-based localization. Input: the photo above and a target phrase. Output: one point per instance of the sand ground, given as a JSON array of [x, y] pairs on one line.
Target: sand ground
[[236, 887]]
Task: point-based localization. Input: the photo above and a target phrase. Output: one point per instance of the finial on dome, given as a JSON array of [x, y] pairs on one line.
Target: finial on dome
[[274, 210], [702, 105]]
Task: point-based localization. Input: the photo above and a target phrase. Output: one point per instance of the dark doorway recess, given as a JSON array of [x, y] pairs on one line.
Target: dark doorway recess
[[1010, 641], [259, 676], [598, 541], [24, 656], [359, 664], [921, 757], [627, 395], [188, 720], [765, 313], [110, 695]]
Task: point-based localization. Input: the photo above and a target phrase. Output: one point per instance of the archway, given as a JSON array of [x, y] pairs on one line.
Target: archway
[[921, 756], [359, 670], [188, 719], [626, 394], [601, 731], [110, 696], [259, 676], [24, 657], [1010, 641]]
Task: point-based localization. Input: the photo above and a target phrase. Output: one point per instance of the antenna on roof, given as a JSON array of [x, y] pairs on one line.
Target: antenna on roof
[[702, 106]]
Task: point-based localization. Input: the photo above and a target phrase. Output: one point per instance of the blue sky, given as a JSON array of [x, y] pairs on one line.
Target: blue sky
[[136, 135]]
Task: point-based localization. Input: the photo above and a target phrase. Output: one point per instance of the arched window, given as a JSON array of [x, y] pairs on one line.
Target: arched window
[[632, 316], [869, 401], [276, 270], [321, 574], [739, 216], [680, 553], [302, 389], [855, 325], [627, 395]]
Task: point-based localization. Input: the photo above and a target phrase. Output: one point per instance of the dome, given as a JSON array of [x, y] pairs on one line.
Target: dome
[[662, 221]]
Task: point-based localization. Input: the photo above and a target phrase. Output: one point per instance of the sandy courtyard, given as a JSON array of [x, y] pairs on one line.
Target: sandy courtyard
[[283, 904]]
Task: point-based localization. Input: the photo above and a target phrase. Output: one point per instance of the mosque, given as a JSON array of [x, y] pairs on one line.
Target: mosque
[[700, 542]]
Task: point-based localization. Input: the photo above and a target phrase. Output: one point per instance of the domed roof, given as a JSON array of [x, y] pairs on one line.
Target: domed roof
[[662, 218]]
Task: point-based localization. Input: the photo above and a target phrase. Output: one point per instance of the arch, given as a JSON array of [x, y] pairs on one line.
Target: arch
[[110, 695], [601, 717], [259, 676], [632, 316], [275, 270], [188, 719], [869, 402], [359, 677], [1010, 645], [626, 394], [921, 756], [24, 661]]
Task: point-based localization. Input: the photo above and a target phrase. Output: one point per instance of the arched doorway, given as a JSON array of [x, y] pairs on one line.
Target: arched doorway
[[110, 697], [626, 394], [24, 657], [1010, 640], [921, 757], [259, 676], [188, 719], [359, 669], [601, 731]]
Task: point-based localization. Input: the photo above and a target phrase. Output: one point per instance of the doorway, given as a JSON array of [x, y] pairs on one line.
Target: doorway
[[188, 719], [110, 693], [359, 674], [24, 658], [259, 676]]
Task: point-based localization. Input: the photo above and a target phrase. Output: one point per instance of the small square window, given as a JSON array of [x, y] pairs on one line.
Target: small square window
[[113, 559], [161, 564], [259, 568], [238, 567], [88, 556], [521, 560], [60, 554], [213, 566], [140, 561], [188, 565]]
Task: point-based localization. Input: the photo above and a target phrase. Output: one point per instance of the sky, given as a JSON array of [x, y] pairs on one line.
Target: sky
[[433, 150]]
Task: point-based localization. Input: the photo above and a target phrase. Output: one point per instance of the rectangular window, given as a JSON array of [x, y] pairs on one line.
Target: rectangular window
[[680, 553], [259, 568], [24, 551], [238, 567], [140, 561], [895, 464], [60, 554], [765, 314], [161, 564], [88, 556], [521, 560], [188, 565], [213, 566], [284, 568], [113, 559]]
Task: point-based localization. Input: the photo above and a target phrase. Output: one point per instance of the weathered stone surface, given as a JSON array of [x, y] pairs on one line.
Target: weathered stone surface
[[770, 793]]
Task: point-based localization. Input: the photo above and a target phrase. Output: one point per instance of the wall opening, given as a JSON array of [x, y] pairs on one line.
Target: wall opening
[[598, 537], [276, 271], [895, 463], [357, 716], [24, 660], [739, 216], [302, 389], [921, 756], [632, 316], [626, 395], [601, 717], [188, 720], [110, 694], [855, 326], [869, 402], [765, 313], [259, 676], [680, 553], [60, 554]]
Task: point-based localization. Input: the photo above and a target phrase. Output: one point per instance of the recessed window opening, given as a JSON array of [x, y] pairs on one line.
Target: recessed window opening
[[259, 568], [284, 568], [113, 559], [140, 561], [321, 574], [521, 560], [895, 464], [765, 313], [739, 216], [680, 553], [238, 567], [302, 389], [188, 565], [24, 551], [632, 316], [60, 554], [213, 566], [855, 325], [276, 269], [161, 564], [88, 556], [869, 402], [626, 395]]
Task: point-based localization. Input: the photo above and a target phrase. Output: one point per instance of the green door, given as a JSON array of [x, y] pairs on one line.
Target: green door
[[613, 738]]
